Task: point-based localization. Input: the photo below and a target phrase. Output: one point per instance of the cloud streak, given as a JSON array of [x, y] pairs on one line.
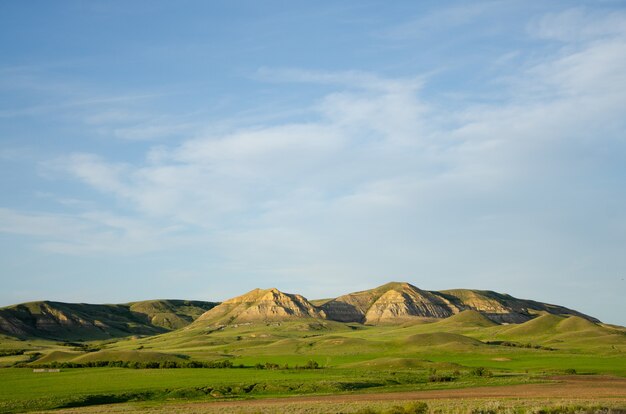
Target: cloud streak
[[376, 178]]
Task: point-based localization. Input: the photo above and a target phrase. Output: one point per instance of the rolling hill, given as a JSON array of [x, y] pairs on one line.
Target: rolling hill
[[394, 325], [394, 303], [70, 321], [400, 302], [502, 307]]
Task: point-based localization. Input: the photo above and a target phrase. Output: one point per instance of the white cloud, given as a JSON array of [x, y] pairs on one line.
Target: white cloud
[[352, 79], [97, 173], [578, 24], [377, 182], [92, 233]]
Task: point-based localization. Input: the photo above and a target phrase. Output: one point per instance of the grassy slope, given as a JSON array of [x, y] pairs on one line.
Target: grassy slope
[[171, 314], [78, 321], [579, 345], [355, 356]]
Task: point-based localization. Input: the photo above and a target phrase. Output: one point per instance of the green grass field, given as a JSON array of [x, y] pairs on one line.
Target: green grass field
[[353, 358], [25, 390]]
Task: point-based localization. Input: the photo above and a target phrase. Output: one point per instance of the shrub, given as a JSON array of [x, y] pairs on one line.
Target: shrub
[[168, 364], [271, 365], [570, 371], [481, 372], [441, 378], [11, 352]]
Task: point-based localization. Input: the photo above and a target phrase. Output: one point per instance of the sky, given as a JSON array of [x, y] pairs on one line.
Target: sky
[[200, 149]]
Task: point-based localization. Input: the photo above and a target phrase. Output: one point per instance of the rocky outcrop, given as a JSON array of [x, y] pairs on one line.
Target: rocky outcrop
[[398, 302], [261, 305], [406, 302], [392, 302]]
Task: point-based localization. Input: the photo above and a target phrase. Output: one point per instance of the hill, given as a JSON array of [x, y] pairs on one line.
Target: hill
[[395, 303], [261, 305], [391, 302], [401, 302], [171, 314], [468, 318], [502, 307], [71, 321]]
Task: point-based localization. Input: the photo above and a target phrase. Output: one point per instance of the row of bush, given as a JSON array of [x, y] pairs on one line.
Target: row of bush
[[80, 346], [140, 365], [519, 345], [169, 364], [434, 376], [270, 365], [11, 352]]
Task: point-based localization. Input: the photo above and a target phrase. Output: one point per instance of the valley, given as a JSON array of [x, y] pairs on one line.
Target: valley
[[266, 343]]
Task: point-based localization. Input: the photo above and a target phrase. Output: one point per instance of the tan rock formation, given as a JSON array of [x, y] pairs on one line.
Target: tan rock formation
[[261, 305], [388, 303]]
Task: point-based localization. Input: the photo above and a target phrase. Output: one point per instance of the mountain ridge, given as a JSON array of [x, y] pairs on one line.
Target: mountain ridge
[[391, 303]]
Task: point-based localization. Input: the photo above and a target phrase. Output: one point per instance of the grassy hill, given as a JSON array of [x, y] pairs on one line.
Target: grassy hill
[[282, 344], [269, 326], [395, 303], [72, 321], [502, 307]]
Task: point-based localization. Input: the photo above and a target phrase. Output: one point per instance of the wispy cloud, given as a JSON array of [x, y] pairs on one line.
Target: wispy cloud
[[441, 19], [578, 24], [375, 177], [357, 79], [376, 155], [91, 233]]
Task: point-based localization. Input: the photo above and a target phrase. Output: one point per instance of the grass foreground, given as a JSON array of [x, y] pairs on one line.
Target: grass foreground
[[206, 368]]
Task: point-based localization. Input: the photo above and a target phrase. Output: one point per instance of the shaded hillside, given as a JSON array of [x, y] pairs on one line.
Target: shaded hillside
[[502, 307], [400, 302], [171, 314], [69, 321], [261, 305]]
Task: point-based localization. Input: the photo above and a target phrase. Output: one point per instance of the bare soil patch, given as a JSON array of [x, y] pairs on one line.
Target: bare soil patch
[[598, 388], [589, 386]]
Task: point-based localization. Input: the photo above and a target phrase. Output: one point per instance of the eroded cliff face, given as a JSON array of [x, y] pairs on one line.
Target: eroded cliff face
[[408, 302], [388, 303], [499, 308], [262, 305], [398, 302]]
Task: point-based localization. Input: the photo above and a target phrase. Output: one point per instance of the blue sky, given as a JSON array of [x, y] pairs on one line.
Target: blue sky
[[197, 149]]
